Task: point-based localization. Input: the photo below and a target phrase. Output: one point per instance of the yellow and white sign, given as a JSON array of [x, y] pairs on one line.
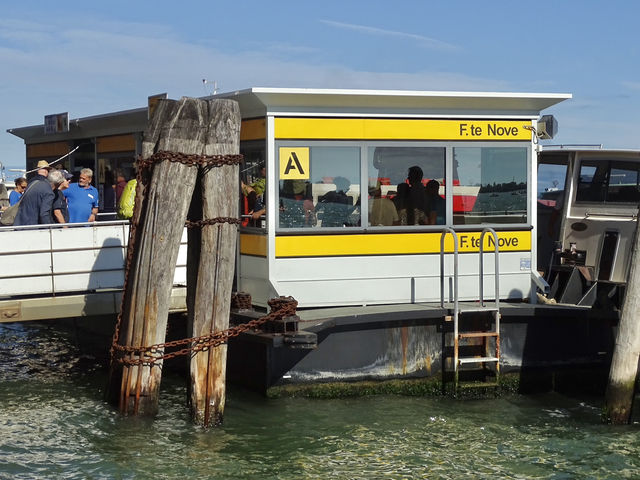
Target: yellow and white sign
[[401, 129], [396, 244], [294, 163]]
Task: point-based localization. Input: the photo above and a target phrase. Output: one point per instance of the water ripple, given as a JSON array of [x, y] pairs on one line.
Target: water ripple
[[55, 424]]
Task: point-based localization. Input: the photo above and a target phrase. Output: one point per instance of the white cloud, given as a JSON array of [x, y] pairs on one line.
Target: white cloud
[[420, 40], [631, 85]]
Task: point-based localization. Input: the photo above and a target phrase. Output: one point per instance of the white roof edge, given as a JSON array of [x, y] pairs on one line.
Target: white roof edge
[[405, 93]]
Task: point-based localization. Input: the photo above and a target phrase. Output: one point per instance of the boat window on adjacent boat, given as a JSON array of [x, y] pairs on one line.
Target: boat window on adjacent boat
[[608, 182], [319, 186], [491, 186]]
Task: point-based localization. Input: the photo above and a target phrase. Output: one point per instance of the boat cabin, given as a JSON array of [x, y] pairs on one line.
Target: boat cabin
[[344, 221], [587, 212]]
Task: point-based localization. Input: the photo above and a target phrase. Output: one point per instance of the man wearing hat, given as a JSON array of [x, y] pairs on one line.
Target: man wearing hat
[[37, 200], [43, 170]]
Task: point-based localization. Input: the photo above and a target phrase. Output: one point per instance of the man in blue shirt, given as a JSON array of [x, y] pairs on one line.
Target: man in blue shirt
[[82, 198]]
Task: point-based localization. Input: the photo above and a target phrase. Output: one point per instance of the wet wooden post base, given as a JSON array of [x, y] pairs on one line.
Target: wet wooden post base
[[624, 365], [187, 126]]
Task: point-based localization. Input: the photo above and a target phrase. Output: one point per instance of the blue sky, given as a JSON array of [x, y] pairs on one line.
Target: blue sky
[[88, 58]]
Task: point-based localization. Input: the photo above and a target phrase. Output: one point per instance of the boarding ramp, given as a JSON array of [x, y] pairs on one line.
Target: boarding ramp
[[475, 324], [54, 271]]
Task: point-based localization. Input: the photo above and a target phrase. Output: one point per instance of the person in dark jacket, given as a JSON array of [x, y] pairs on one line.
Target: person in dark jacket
[[59, 208], [37, 200]]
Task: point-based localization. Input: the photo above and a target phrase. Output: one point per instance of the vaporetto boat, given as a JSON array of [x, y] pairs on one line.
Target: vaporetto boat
[[374, 299]]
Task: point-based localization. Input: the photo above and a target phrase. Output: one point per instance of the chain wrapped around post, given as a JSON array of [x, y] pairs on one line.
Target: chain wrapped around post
[[281, 307], [154, 353]]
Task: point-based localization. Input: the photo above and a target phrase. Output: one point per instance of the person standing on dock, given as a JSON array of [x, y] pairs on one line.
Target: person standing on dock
[[15, 195], [82, 198], [37, 200], [60, 209]]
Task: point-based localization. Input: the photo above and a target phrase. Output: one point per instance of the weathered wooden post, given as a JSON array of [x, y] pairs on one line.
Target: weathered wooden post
[[185, 127], [216, 264], [624, 365]]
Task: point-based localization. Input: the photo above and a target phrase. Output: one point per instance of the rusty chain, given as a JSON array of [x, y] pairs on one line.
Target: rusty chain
[[190, 159], [280, 307], [211, 221]]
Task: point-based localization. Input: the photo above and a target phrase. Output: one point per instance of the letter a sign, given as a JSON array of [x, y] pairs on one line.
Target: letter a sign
[[294, 163]]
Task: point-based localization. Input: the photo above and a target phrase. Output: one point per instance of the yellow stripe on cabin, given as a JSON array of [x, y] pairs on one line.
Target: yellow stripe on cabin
[[395, 244], [400, 129], [255, 245]]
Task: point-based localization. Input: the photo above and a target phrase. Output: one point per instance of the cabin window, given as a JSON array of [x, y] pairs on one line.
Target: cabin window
[[491, 185], [319, 186], [608, 182], [392, 200], [253, 184]]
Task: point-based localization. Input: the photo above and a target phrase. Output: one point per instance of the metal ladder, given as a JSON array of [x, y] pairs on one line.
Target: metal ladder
[[478, 308]]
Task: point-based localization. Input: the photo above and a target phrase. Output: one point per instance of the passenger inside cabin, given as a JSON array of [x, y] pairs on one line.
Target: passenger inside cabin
[[335, 208], [250, 204], [296, 204], [435, 205], [260, 187], [382, 211], [417, 196], [402, 203]]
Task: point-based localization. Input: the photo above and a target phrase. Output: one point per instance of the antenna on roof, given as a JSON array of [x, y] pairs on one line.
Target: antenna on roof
[[215, 86]]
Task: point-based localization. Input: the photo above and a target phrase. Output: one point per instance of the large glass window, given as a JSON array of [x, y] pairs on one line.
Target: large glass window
[[609, 182], [490, 185], [319, 186], [406, 186]]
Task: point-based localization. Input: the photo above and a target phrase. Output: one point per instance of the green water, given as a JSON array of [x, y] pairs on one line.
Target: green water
[[54, 424]]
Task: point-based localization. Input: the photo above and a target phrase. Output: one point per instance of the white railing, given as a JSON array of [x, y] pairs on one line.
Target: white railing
[[52, 259]]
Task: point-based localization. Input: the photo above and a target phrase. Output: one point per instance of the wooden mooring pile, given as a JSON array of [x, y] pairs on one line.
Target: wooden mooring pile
[[188, 174]]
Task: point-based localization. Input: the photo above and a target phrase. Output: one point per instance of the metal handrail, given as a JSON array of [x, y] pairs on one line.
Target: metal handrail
[[455, 266], [496, 268]]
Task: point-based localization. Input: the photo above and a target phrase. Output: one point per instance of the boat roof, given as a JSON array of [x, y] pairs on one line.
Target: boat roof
[[588, 149], [261, 101], [258, 101]]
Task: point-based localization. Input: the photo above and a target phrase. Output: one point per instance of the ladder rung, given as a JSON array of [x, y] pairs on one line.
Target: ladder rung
[[477, 334], [464, 360]]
